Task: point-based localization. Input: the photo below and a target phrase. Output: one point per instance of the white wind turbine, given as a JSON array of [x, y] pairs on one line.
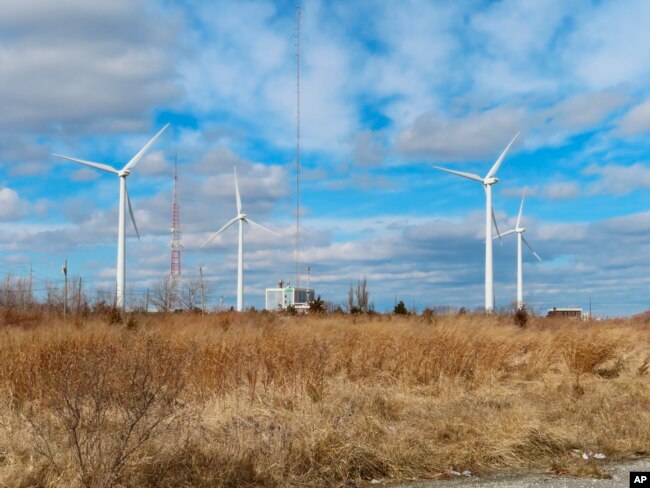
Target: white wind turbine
[[124, 201], [487, 182], [241, 217], [520, 237]]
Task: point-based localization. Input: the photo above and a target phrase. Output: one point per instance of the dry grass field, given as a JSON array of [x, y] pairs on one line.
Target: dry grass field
[[229, 400]]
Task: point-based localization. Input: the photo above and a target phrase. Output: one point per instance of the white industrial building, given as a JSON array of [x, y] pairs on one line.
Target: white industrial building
[[282, 297]]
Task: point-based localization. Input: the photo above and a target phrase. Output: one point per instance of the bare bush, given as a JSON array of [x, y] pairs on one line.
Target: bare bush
[[358, 300], [362, 295], [190, 293], [164, 294], [95, 403], [521, 317]]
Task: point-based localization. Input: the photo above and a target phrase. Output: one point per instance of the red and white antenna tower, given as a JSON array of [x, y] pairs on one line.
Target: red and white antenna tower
[[177, 242]]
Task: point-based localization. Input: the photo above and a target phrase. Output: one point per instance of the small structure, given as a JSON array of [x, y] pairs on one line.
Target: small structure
[[574, 312], [280, 298]]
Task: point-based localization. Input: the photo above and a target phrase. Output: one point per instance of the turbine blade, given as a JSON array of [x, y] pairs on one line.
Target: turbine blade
[[100, 166], [531, 248], [237, 192], [461, 173], [136, 159], [494, 219], [228, 224], [261, 226], [521, 208], [128, 202], [498, 162], [507, 233]]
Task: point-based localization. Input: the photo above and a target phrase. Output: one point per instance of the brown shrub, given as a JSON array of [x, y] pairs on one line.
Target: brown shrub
[[265, 400], [93, 402], [585, 352]]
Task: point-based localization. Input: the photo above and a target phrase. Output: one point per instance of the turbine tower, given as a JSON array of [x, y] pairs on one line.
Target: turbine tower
[[520, 237], [241, 218], [175, 268], [489, 180], [123, 202]]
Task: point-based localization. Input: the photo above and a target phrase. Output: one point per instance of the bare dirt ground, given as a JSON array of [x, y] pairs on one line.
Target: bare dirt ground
[[521, 478]]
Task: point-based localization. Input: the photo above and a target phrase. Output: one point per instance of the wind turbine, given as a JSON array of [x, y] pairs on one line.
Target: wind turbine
[[241, 218], [520, 237], [487, 182], [124, 201]]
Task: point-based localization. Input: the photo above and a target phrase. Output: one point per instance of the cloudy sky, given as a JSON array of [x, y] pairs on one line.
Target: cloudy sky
[[388, 89]]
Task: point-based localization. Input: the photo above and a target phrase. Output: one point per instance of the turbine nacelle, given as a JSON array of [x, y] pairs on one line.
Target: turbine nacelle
[[242, 216], [490, 181], [124, 173]]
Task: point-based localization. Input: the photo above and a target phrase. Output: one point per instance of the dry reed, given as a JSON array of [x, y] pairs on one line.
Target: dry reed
[[266, 400]]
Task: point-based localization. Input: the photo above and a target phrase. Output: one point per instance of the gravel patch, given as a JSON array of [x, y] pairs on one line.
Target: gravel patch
[[620, 473]]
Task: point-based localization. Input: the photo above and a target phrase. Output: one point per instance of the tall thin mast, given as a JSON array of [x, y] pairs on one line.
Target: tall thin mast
[[297, 147]]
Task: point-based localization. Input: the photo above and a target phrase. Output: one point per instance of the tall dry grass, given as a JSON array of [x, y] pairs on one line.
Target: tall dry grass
[[266, 400]]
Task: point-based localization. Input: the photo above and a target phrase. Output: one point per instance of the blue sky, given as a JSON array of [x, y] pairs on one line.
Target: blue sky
[[388, 89]]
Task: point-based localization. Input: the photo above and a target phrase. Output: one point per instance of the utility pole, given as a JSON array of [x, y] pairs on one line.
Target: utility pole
[[65, 290], [202, 291], [146, 307]]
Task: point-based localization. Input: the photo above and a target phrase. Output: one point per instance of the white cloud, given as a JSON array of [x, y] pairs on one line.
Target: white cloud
[[11, 206], [582, 111], [636, 121], [514, 49], [71, 65], [517, 28], [561, 191], [637, 224], [416, 60], [85, 174], [480, 134], [465, 138], [154, 164], [618, 179], [557, 191], [608, 44], [250, 70]]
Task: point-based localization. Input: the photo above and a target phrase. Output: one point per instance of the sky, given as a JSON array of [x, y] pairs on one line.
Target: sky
[[388, 89]]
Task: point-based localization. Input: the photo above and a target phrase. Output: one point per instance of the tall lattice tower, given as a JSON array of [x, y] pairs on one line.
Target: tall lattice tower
[[298, 12], [177, 242]]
